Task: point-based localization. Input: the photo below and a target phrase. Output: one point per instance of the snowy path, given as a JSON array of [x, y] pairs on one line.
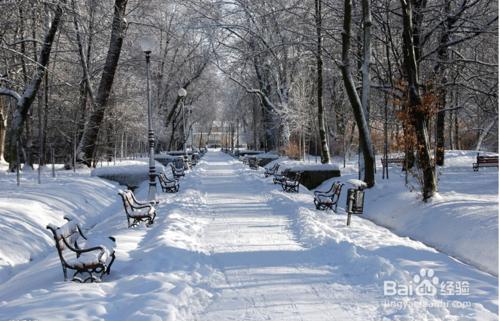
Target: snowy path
[[266, 275], [272, 270], [232, 246]]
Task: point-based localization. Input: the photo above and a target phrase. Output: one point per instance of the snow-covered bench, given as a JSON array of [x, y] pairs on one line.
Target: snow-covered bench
[[187, 162], [328, 199], [137, 211], [291, 184], [485, 161], [397, 161], [89, 259], [168, 185], [177, 172], [279, 178], [271, 171], [253, 163], [243, 159]]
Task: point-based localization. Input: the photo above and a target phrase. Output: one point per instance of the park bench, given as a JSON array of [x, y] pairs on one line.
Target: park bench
[[397, 161], [243, 159], [90, 262], [168, 185], [291, 185], [187, 162], [253, 163], [271, 171], [137, 211], [328, 199], [484, 161], [177, 172], [279, 178]]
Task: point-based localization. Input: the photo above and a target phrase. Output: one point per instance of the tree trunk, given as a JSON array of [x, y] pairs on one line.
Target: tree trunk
[[365, 67], [88, 142], [359, 115], [418, 116], [3, 128], [325, 153], [440, 70], [485, 133], [254, 126]]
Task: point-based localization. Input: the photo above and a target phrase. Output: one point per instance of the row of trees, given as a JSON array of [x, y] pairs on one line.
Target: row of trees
[[381, 76], [408, 68]]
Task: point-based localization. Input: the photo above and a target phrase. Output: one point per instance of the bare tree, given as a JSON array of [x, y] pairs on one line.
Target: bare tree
[[88, 142], [418, 114], [358, 110]]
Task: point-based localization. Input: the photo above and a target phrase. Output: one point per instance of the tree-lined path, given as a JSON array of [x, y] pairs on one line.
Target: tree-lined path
[[232, 246], [274, 269]]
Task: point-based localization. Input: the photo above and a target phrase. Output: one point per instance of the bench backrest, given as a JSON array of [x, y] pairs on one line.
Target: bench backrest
[[175, 169], [275, 168], [335, 188], [128, 200], [65, 236], [393, 160], [164, 175], [165, 179], [487, 159]]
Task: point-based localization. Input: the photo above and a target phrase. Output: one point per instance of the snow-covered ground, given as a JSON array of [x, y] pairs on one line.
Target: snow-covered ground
[[232, 246], [462, 220]]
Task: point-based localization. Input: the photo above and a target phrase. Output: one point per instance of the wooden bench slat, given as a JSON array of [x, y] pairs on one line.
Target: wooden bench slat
[[484, 161]]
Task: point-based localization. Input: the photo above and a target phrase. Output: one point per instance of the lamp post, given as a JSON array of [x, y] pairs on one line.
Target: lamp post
[[182, 94], [147, 46]]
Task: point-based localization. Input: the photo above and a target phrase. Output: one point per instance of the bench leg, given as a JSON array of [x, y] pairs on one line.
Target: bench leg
[[108, 269]]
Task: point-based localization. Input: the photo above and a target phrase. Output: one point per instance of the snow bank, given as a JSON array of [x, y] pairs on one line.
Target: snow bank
[[461, 220], [367, 254], [269, 155], [159, 274], [25, 212]]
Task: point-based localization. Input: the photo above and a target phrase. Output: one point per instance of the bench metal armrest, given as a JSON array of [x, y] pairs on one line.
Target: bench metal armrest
[[79, 251]]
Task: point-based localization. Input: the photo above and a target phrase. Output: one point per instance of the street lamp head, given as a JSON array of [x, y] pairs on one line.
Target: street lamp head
[[147, 44], [182, 93]]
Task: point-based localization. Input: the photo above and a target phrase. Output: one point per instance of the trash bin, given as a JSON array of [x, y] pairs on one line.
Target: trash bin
[[355, 198]]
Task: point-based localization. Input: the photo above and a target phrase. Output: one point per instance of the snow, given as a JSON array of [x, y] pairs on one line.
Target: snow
[[229, 246], [357, 183], [131, 168], [462, 220], [270, 155], [26, 211]]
